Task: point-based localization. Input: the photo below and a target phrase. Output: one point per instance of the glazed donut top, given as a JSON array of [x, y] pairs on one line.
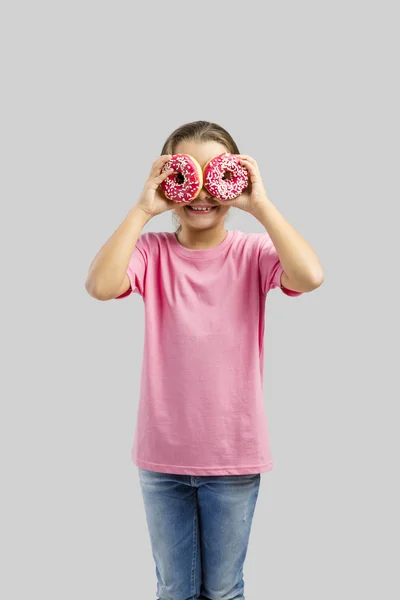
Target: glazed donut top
[[186, 189], [225, 189]]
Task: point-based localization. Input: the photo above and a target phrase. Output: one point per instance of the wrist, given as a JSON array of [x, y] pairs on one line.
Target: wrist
[[259, 207], [141, 214]]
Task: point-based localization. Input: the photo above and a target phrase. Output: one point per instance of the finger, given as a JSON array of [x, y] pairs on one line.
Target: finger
[[246, 156], [252, 169], [162, 158], [155, 181], [158, 164], [247, 161], [164, 175], [249, 165]]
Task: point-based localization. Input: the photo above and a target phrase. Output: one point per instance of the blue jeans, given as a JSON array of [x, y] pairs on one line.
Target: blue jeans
[[199, 530]]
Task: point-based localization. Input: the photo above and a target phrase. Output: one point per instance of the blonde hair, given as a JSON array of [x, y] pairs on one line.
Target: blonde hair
[[199, 131]]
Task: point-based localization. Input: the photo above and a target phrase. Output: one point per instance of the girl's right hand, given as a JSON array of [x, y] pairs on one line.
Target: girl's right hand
[[152, 199]]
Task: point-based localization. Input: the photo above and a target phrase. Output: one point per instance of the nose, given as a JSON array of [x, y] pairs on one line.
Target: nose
[[204, 194]]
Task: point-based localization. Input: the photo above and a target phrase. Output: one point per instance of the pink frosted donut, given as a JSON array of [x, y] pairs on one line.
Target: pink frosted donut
[[214, 173], [185, 185]]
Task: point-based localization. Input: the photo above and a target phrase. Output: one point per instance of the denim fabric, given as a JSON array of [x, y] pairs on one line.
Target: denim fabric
[[199, 530]]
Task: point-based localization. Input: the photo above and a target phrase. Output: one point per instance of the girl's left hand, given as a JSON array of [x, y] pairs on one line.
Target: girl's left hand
[[254, 195]]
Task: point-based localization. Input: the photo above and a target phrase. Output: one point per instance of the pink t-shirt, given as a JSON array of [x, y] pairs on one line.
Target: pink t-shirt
[[201, 408]]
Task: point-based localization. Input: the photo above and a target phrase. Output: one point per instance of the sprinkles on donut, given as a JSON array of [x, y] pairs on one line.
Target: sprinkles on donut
[[214, 176], [185, 185]]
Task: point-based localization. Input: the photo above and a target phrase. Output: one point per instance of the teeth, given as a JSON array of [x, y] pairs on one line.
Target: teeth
[[203, 209]]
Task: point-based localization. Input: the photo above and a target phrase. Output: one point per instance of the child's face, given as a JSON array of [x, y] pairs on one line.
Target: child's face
[[202, 152]]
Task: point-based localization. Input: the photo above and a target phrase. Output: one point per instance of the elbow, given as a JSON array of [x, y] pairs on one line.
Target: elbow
[[310, 282], [94, 292], [317, 279]]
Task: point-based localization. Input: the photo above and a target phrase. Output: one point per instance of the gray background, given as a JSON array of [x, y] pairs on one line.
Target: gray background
[[90, 91]]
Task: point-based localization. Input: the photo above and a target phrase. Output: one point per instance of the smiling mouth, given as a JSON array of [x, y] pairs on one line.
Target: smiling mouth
[[201, 211]]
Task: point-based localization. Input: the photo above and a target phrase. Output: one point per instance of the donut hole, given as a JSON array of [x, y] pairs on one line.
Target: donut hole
[[179, 178], [227, 175]]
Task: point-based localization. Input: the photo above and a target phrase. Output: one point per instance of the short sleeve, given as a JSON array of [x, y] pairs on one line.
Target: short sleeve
[[270, 267], [136, 269]]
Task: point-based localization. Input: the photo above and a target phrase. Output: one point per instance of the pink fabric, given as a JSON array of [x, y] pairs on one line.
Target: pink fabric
[[201, 407]]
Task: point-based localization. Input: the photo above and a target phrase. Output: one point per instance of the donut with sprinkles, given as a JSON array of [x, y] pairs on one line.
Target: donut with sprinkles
[[185, 185], [224, 177]]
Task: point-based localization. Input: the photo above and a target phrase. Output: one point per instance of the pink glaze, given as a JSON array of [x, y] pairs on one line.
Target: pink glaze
[[187, 190], [225, 189]]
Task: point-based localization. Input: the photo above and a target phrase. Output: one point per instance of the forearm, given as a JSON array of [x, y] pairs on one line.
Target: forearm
[[298, 259], [108, 268]]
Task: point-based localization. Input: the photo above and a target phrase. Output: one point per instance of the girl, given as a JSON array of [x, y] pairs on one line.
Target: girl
[[201, 438]]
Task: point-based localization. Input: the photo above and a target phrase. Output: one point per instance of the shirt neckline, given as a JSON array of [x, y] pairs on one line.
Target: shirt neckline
[[201, 252]]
